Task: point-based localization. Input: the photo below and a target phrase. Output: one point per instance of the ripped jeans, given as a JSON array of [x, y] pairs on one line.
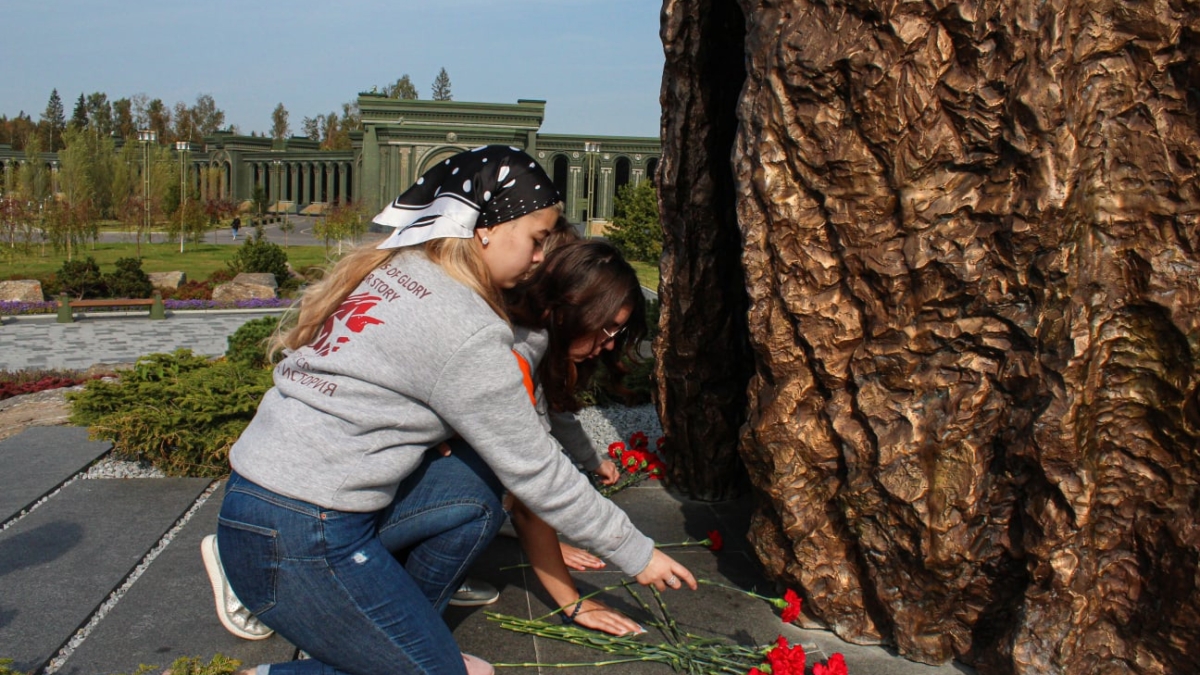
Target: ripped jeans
[[362, 592]]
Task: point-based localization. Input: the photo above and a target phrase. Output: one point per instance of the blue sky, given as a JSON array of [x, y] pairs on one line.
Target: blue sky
[[597, 63]]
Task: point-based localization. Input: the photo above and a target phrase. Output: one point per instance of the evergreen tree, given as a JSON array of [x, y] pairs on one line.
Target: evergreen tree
[[53, 122], [636, 229], [403, 89], [441, 87], [279, 123], [79, 118]]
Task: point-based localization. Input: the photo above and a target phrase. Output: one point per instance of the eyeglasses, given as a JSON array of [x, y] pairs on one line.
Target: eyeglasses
[[609, 337]]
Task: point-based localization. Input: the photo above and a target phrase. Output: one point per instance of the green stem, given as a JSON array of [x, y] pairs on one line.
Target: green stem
[[682, 544], [778, 602]]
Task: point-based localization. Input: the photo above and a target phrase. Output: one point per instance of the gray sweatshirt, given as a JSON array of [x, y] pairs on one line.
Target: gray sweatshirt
[[409, 359]]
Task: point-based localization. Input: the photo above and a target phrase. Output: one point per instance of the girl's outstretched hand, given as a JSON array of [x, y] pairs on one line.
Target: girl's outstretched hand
[[579, 559], [663, 572], [599, 616], [608, 472]]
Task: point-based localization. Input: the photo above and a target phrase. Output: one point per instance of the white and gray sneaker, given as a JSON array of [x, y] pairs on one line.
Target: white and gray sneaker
[[233, 614], [473, 593]]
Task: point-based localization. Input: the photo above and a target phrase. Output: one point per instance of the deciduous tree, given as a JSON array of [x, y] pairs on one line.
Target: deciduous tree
[[124, 123], [279, 123], [158, 119], [207, 117], [404, 89], [100, 114]]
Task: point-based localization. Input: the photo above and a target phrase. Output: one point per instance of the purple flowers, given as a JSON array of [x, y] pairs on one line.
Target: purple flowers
[[253, 303], [15, 308]]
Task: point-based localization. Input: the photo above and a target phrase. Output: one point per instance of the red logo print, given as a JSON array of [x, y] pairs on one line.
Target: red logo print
[[349, 318]]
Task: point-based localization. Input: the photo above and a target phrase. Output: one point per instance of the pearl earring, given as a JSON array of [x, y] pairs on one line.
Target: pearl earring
[[484, 241]]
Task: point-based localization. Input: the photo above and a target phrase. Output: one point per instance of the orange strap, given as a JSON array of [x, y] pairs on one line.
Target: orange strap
[[527, 375]]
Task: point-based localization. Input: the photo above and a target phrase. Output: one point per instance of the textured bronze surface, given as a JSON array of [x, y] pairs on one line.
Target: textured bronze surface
[[702, 359], [971, 244]]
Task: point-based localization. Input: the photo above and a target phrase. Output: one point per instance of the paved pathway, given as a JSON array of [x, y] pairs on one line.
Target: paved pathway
[[99, 576], [41, 342]]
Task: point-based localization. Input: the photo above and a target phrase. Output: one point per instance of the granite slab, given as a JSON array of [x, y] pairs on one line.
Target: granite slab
[[60, 563], [38, 460], [169, 612]]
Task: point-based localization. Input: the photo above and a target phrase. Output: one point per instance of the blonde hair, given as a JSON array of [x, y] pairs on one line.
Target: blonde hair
[[460, 257]]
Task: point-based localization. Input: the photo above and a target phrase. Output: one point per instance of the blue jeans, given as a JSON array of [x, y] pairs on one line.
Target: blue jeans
[[362, 593]]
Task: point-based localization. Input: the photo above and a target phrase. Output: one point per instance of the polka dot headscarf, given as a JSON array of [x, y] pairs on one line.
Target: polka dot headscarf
[[483, 187]]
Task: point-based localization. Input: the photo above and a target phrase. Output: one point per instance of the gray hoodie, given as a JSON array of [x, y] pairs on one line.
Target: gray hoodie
[[409, 359]]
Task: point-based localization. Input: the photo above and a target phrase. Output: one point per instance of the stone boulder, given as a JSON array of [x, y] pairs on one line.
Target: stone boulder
[[24, 290], [167, 280], [247, 286]]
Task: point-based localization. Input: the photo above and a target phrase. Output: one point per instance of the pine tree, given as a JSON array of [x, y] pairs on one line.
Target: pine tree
[[79, 118], [54, 121], [636, 229], [441, 87]]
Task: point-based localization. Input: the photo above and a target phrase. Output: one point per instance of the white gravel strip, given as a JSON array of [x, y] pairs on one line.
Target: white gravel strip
[[119, 468], [115, 597], [13, 521]]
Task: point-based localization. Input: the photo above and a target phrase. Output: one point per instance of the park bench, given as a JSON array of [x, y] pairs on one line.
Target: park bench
[[66, 305]]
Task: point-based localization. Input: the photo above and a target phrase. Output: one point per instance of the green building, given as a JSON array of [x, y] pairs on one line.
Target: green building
[[400, 140]]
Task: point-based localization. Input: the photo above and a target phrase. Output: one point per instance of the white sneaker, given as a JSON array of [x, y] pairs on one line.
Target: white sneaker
[[477, 666], [233, 614], [473, 593]]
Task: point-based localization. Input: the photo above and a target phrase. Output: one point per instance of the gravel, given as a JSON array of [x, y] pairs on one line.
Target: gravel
[[118, 468], [617, 423]]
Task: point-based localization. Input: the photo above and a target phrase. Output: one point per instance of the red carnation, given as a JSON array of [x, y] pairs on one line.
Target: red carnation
[[655, 466], [615, 449], [716, 542], [786, 660], [639, 440], [633, 460], [658, 445], [755, 671], [836, 665], [792, 611]]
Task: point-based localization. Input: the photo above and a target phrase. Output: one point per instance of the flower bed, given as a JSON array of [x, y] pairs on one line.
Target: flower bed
[[14, 308]]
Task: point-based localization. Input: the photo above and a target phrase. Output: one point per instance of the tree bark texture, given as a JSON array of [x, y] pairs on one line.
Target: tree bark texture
[[702, 356], [971, 244]]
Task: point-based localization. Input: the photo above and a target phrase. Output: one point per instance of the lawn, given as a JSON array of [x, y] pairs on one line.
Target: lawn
[[647, 274], [197, 261]]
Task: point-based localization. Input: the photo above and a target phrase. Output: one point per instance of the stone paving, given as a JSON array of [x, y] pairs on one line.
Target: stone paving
[[99, 576]]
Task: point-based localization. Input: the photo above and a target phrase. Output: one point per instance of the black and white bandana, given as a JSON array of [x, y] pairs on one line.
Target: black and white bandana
[[484, 187]]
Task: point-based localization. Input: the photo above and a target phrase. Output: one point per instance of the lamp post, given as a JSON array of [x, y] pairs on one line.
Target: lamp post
[[182, 147], [146, 136], [591, 148], [278, 183]]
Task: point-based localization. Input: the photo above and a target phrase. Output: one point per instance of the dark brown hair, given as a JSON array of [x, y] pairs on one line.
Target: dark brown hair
[[576, 291]]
